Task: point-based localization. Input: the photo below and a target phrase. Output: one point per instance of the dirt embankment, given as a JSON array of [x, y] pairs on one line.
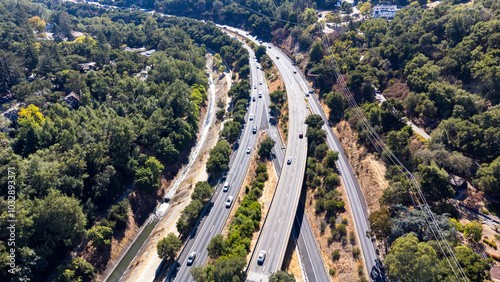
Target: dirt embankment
[[291, 262], [346, 267], [369, 170]]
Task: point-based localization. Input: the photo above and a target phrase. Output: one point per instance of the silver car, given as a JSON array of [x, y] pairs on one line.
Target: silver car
[[262, 257], [191, 258], [229, 201]]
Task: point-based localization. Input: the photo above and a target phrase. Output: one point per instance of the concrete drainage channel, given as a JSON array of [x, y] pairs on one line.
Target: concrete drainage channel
[[139, 240]]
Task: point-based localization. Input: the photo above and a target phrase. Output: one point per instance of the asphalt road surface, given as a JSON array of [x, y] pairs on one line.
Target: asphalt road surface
[[315, 269], [278, 224], [217, 213], [356, 198]]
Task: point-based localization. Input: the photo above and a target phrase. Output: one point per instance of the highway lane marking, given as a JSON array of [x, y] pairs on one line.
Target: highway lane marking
[[212, 229], [274, 235]]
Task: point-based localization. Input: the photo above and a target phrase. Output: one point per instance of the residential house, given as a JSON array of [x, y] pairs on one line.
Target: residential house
[[72, 99], [88, 66], [148, 53], [384, 11]]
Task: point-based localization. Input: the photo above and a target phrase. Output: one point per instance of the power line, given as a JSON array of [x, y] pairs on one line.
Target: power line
[[379, 144]]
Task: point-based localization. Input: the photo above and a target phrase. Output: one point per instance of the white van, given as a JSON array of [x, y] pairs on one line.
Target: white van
[[226, 187]]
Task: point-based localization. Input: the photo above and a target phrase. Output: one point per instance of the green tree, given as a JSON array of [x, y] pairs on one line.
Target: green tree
[[59, 223], [100, 236], [488, 177], [314, 121], [77, 270], [231, 131], [202, 191], [316, 52], [434, 182], [335, 102], [265, 147], [148, 175], [472, 264], [119, 213], [331, 158], [260, 51], [410, 260], [473, 231], [219, 157], [189, 216], [168, 247], [281, 276], [216, 246], [380, 223], [229, 269]]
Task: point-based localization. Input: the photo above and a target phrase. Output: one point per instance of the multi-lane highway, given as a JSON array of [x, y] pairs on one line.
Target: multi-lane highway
[[278, 224], [311, 255], [213, 222], [356, 201]]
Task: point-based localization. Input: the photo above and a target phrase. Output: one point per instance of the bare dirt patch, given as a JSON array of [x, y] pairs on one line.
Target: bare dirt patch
[[291, 262], [345, 267], [399, 90], [369, 170], [275, 83]]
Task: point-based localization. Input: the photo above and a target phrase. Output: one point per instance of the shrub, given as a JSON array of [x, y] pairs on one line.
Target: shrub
[[336, 255], [356, 252], [332, 271], [345, 221], [490, 243]]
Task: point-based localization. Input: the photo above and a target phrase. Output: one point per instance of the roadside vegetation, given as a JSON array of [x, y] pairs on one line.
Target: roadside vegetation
[[228, 255], [435, 67], [131, 118]]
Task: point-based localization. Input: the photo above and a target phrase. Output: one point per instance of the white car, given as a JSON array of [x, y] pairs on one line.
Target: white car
[[249, 150], [262, 257], [255, 87], [289, 161], [191, 258], [260, 94], [294, 71], [260, 82], [251, 117], [226, 187], [229, 201]]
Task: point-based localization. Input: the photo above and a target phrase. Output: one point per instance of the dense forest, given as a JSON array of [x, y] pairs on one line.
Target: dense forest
[[91, 118]]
